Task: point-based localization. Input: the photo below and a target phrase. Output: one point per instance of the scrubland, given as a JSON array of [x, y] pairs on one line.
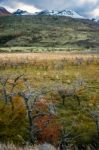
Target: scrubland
[[50, 98]]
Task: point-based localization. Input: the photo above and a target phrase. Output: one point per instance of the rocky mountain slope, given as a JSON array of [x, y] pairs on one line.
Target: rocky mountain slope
[[4, 12]]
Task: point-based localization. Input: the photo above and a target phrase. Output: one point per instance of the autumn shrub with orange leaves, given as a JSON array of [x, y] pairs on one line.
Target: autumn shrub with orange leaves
[[48, 125], [13, 121], [49, 130]]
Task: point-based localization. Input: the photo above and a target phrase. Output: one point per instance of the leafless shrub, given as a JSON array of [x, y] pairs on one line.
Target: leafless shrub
[[65, 92], [78, 61], [90, 60], [97, 61], [73, 90], [59, 65], [8, 94]]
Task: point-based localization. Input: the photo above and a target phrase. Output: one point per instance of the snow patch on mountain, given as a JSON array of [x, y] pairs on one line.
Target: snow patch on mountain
[[68, 13]]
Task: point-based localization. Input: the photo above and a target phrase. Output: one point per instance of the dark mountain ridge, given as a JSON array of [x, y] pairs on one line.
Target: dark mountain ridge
[[4, 12]]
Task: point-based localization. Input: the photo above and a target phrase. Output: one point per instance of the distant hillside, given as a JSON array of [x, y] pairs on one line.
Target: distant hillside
[[48, 31], [4, 12]]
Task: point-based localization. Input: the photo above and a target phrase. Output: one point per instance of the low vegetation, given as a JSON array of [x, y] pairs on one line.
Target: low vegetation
[[53, 101], [48, 32]]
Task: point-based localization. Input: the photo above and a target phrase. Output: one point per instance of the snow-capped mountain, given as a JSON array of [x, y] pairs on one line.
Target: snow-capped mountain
[[21, 12], [69, 13], [47, 12], [4, 12]]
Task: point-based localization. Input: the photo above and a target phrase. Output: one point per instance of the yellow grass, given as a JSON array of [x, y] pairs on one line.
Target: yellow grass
[[17, 57]]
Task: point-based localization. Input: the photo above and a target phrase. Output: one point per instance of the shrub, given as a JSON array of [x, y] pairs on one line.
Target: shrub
[[13, 122]]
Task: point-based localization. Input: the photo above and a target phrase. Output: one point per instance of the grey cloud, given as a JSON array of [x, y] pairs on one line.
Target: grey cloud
[[83, 8]]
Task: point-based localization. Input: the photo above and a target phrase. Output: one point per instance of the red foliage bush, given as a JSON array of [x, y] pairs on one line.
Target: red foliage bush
[[49, 127]]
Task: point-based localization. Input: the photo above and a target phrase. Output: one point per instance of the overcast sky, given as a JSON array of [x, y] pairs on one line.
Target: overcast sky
[[87, 8]]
